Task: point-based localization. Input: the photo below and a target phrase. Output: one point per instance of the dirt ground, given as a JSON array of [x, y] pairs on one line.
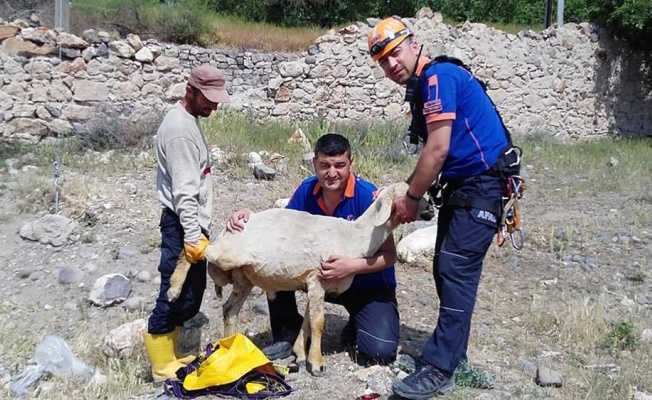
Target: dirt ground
[[585, 261]]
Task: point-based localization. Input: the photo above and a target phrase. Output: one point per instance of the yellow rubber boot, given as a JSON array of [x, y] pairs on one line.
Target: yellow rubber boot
[[160, 350]]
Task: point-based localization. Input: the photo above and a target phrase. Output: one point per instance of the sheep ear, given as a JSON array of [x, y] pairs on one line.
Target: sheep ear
[[384, 211]]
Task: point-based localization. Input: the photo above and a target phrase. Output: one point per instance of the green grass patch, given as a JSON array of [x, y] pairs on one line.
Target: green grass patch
[[377, 151], [591, 166], [622, 336]]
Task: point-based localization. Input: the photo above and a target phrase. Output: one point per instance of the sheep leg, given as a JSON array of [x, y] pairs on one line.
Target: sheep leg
[[241, 289], [315, 309], [219, 277], [178, 277], [301, 343]]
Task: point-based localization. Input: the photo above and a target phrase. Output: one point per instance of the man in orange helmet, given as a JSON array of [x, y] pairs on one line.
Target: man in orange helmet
[[467, 146]]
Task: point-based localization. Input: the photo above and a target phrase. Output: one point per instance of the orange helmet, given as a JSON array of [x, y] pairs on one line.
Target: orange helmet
[[385, 36]]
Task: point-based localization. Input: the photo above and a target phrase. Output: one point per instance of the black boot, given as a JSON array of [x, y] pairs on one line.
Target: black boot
[[424, 383]]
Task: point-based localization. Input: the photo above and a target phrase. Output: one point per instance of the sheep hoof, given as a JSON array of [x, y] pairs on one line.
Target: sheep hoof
[[173, 294], [316, 372]]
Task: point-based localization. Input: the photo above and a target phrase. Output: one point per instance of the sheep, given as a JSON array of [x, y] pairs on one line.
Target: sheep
[[281, 250]]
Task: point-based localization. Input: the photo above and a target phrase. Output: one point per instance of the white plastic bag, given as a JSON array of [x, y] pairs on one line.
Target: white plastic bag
[[54, 356]]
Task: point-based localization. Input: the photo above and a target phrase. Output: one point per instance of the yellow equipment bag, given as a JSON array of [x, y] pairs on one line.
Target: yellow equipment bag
[[231, 358], [230, 366]]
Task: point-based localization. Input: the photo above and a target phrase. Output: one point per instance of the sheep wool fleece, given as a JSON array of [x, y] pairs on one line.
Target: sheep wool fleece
[[184, 189], [371, 299]]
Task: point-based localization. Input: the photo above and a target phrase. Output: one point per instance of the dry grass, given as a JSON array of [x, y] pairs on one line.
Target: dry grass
[[233, 32], [124, 378]]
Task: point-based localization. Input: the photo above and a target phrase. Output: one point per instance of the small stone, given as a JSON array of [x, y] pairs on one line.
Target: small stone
[[126, 253], [528, 367], [90, 267], [36, 275], [131, 273], [70, 306], [131, 188], [110, 289], [624, 239], [136, 303], [613, 162], [143, 276], [547, 377], [254, 158], [85, 251], [646, 335], [262, 171], [281, 203], [641, 396], [591, 261], [260, 307], [47, 307], [69, 275], [23, 274]]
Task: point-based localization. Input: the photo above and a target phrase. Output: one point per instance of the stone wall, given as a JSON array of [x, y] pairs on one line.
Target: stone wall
[[568, 81]]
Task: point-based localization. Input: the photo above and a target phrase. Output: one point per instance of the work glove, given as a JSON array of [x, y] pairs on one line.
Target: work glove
[[195, 250]]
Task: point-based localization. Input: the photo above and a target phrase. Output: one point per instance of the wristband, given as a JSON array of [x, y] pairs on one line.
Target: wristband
[[412, 197]]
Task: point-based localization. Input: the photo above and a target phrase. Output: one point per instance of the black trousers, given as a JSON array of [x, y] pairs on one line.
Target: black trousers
[[166, 316]]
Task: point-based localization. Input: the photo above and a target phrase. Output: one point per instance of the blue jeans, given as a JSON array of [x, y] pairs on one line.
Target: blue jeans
[[166, 316], [464, 235], [374, 312]]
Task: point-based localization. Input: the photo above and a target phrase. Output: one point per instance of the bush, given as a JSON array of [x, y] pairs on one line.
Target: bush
[[108, 131], [622, 336], [182, 21]]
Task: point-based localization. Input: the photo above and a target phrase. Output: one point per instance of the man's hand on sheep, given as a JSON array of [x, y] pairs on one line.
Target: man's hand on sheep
[[335, 268], [405, 210], [195, 249], [234, 224]]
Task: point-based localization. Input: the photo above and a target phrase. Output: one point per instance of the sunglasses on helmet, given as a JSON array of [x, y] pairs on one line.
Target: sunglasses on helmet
[[379, 46]]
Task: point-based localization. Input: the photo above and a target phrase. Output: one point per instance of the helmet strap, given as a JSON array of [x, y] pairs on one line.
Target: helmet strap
[[412, 84]]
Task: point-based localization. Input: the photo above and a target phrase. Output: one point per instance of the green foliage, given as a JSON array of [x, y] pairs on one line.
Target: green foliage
[[182, 21], [467, 375], [622, 336], [630, 20]]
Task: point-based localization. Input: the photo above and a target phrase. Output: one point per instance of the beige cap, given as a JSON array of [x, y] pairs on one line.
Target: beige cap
[[210, 81]]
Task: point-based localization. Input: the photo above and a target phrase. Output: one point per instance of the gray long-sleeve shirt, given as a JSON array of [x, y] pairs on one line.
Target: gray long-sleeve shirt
[[183, 180]]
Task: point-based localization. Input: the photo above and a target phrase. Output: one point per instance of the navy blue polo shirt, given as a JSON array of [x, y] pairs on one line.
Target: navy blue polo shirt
[[477, 139], [358, 196]]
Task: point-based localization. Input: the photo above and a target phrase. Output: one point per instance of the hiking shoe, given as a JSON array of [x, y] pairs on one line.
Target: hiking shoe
[[278, 350], [426, 382], [469, 376], [348, 335]]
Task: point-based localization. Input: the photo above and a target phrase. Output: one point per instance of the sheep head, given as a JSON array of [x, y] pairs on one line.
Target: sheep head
[[385, 200]]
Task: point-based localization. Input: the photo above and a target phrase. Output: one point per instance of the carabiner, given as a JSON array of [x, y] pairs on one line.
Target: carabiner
[[517, 243], [411, 143], [501, 236]]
